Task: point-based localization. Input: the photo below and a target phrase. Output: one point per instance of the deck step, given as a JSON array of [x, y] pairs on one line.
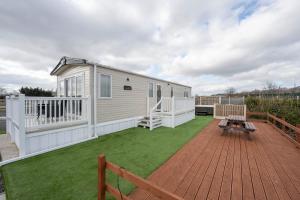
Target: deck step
[[145, 122], [156, 126]]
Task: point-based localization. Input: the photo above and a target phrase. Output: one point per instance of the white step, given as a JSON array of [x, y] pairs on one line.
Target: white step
[[156, 126], [156, 121]]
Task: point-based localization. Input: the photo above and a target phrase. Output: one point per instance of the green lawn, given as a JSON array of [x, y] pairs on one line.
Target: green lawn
[[2, 131], [71, 173]]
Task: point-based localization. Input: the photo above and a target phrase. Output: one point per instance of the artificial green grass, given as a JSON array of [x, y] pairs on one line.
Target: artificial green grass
[[71, 172]]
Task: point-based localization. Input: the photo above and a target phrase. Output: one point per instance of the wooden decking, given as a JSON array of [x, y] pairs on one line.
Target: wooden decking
[[216, 166]]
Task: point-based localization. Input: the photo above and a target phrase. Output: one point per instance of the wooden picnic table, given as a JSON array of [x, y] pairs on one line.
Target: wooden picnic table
[[236, 122], [236, 118]]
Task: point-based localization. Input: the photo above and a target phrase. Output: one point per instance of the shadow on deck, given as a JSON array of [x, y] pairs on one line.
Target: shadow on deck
[[217, 166]]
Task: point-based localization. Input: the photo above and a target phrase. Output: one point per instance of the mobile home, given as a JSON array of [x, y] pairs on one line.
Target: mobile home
[[93, 100]]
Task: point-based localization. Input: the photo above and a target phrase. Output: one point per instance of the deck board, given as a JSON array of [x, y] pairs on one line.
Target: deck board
[[214, 165]]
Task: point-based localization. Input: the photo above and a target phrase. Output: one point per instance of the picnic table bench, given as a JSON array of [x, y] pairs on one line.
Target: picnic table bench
[[223, 123], [249, 126], [238, 123]]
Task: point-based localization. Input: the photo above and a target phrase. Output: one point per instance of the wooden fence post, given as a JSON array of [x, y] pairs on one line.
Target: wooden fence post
[[101, 177], [298, 134]]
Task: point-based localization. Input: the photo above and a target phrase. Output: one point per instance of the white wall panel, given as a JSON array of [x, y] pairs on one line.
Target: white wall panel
[[41, 141]]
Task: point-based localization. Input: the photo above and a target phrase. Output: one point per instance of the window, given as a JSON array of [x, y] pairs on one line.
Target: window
[[79, 86], [172, 92], [151, 89], [73, 86], [104, 85], [68, 87], [61, 88], [186, 94]]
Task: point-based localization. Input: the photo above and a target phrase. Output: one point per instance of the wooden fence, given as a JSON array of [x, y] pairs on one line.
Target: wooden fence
[[257, 116], [222, 111], [207, 100], [138, 181], [288, 130]]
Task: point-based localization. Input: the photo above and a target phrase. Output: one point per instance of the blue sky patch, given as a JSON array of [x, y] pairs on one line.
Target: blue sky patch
[[247, 8]]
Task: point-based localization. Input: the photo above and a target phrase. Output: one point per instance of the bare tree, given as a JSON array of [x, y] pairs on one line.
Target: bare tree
[[230, 91], [271, 85], [271, 88]]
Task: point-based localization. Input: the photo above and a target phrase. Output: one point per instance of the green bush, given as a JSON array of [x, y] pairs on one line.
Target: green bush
[[286, 108]]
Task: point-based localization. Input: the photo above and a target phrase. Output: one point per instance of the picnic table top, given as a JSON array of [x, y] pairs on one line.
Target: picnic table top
[[236, 118]]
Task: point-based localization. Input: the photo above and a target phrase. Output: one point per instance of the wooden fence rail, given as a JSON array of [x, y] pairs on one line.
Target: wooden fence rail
[[262, 116], [138, 181], [288, 130]]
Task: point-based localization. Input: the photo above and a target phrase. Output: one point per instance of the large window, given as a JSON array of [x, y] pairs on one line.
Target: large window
[[68, 87], [79, 86], [61, 88], [186, 94], [151, 89], [104, 85], [71, 86]]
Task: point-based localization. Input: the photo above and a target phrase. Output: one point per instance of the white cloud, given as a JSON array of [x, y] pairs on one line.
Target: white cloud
[[210, 45]]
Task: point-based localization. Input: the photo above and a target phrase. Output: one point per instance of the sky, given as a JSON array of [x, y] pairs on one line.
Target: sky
[[210, 45]]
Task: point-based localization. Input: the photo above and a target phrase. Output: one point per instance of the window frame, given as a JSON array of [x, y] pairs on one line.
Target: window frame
[[69, 78], [99, 85], [82, 85], [161, 90], [61, 88], [151, 83], [186, 94], [73, 86]]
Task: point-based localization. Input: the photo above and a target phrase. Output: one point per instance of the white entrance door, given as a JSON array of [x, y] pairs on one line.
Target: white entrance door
[[158, 94]]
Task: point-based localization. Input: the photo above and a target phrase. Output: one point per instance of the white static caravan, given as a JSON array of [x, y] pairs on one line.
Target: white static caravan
[[93, 100]]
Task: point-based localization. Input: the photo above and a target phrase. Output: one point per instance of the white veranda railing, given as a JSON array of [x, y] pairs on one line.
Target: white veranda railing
[[26, 114], [45, 111], [171, 106]]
